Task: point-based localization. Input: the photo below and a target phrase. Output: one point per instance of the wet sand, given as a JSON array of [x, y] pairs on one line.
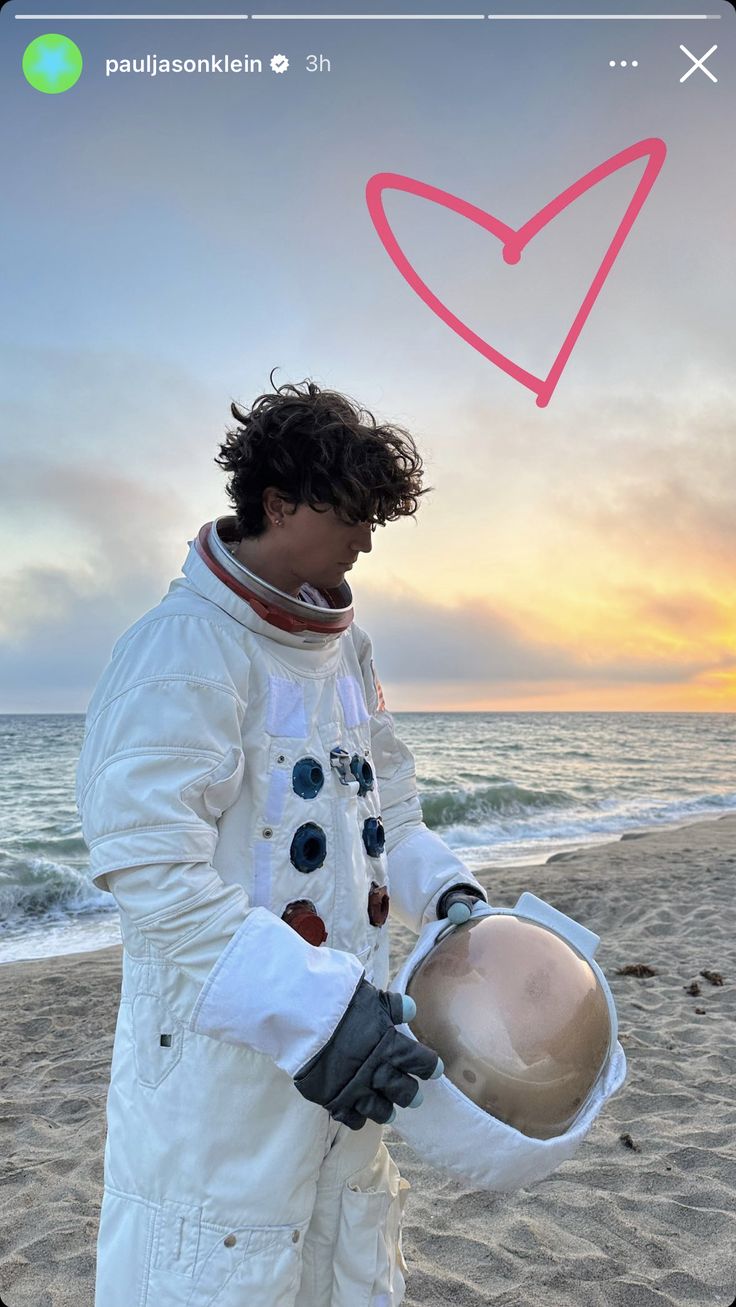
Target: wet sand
[[644, 1215]]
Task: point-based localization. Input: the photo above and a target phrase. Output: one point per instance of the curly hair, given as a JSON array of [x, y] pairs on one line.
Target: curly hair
[[319, 447]]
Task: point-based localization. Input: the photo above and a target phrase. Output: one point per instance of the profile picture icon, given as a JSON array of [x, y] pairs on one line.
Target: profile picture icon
[[52, 63]]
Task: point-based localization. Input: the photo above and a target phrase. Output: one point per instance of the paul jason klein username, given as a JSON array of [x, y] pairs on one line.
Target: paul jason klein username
[[152, 65]]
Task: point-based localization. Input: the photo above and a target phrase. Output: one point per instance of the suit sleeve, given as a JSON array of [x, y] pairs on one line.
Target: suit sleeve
[[161, 761], [421, 867]]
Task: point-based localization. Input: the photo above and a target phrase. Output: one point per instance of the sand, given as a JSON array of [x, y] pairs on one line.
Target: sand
[[645, 1213]]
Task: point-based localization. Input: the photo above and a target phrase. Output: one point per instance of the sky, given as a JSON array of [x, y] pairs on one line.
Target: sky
[[167, 241]]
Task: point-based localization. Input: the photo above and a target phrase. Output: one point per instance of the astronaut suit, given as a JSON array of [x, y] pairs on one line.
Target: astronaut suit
[[245, 799]]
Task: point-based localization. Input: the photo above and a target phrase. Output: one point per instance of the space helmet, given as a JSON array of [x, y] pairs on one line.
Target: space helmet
[[526, 1026]]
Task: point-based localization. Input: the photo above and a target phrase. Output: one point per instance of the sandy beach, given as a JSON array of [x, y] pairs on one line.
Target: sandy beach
[[644, 1215]]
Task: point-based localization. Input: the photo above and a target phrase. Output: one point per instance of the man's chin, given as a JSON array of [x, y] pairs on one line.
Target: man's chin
[[330, 580]]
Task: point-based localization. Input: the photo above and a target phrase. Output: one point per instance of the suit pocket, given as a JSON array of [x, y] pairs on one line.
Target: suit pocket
[[199, 1264], [158, 1039], [369, 1262]]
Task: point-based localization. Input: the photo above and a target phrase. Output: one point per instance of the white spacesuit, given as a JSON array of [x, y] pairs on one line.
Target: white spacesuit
[[244, 797]]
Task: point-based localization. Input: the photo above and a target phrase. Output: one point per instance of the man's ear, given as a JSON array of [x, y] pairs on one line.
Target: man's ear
[[275, 502]]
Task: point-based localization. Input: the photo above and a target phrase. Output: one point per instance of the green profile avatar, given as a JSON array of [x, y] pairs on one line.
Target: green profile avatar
[[52, 63]]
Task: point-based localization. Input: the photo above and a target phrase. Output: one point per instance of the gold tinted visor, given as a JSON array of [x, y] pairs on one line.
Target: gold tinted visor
[[519, 1018]]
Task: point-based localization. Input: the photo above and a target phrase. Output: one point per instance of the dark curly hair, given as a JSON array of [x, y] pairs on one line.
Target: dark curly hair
[[319, 447]]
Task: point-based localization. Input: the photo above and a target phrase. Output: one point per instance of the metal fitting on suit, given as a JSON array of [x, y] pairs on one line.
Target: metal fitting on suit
[[340, 761], [363, 773], [378, 904], [307, 778], [308, 847], [303, 917], [374, 836]]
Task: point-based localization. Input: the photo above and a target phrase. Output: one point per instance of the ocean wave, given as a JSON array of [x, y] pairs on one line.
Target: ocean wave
[[47, 840], [610, 818], [40, 887], [449, 807], [692, 807]]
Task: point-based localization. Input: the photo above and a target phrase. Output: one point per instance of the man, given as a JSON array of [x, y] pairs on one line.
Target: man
[[245, 799]]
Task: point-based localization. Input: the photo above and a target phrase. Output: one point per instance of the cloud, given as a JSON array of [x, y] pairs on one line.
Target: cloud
[[118, 518], [126, 546], [415, 640], [59, 622], [669, 476], [112, 403], [107, 470], [686, 613], [65, 625], [52, 655]]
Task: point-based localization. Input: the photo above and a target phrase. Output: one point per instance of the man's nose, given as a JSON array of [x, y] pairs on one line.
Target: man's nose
[[365, 537]]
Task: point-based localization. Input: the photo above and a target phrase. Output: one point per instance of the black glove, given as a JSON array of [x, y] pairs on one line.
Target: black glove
[[464, 895], [368, 1065]]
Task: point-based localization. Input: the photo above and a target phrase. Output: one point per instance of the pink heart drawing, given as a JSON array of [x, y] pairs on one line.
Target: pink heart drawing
[[514, 242]]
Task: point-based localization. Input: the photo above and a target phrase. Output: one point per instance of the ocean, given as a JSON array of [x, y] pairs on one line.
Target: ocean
[[498, 787]]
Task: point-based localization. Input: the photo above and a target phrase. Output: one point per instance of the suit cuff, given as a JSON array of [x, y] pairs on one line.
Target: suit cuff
[[466, 888], [272, 991]]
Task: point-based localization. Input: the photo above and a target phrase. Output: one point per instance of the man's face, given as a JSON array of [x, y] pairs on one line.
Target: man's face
[[322, 546]]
